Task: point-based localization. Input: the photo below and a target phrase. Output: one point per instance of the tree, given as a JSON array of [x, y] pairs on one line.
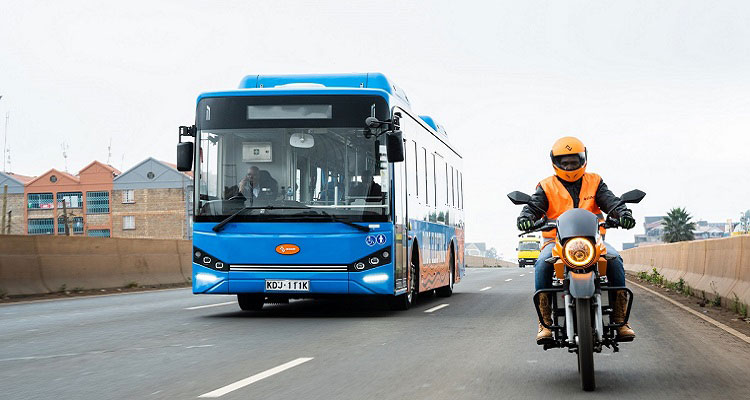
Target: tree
[[677, 226], [492, 253]]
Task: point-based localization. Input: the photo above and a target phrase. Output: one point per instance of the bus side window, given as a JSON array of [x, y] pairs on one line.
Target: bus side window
[[426, 178], [461, 176], [414, 186], [453, 189]]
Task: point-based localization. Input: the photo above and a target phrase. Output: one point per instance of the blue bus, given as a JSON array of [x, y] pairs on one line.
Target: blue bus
[[317, 185]]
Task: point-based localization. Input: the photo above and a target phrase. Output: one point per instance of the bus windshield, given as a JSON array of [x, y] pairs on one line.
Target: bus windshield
[[289, 170], [291, 158], [528, 246]]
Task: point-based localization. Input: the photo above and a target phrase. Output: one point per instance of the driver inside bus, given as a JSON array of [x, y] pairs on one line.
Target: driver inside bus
[[258, 183], [573, 187]]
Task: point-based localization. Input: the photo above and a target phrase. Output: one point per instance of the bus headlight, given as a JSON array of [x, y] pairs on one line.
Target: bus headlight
[[579, 252], [200, 257], [375, 278]]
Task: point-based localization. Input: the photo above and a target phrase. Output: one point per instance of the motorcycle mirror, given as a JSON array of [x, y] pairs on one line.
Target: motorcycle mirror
[[519, 198], [633, 196]]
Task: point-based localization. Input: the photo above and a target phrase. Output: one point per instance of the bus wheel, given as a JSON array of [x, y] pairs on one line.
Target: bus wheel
[[447, 291], [406, 300], [251, 302]]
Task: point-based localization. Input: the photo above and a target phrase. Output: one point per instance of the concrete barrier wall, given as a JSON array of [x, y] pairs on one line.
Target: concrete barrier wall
[[45, 264], [476, 262], [713, 266]]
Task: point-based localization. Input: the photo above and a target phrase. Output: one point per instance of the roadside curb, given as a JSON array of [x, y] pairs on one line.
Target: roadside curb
[[708, 319]]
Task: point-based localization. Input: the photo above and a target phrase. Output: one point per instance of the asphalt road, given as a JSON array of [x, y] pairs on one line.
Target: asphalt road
[[480, 346]]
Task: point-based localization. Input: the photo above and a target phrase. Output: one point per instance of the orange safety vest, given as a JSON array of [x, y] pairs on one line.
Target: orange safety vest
[[559, 199]]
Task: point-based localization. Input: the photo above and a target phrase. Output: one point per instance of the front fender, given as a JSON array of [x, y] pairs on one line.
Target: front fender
[[582, 285]]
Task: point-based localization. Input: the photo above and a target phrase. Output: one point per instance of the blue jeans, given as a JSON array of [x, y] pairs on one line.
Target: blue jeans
[[543, 270]]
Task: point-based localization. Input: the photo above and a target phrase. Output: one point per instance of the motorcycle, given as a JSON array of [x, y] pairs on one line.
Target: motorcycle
[[580, 277]]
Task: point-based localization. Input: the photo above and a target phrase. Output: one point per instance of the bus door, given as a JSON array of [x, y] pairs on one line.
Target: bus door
[[400, 219]]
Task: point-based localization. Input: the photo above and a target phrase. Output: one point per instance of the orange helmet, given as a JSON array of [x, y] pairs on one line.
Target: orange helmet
[[568, 146]]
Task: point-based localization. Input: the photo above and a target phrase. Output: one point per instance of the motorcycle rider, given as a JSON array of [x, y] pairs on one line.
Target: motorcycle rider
[[573, 187]]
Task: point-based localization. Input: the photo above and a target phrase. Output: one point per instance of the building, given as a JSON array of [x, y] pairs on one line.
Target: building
[[13, 223], [654, 230], [153, 200], [476, 249], [83, 198]]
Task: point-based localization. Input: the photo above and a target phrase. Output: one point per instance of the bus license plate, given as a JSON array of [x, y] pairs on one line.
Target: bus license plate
[[288, 285]]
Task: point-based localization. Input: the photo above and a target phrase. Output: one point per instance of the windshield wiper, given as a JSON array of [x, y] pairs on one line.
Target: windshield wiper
[[218, 227], [336, 219]]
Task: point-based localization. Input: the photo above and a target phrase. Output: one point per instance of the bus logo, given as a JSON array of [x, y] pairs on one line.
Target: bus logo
[[287, 249]]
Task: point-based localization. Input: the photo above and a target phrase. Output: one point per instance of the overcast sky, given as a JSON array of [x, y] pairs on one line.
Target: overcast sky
[[659, 91]]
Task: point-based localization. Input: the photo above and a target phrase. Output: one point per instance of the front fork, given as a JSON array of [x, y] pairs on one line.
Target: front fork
[[598, 319]]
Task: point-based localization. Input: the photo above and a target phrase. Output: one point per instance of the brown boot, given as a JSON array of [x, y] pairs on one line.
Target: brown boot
[[624, 333], [544, 334]]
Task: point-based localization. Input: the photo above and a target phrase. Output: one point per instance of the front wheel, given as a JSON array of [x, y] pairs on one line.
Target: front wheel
[[585, 333], [406, 300]]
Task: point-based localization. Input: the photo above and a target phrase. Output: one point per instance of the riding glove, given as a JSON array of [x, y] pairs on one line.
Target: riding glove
[[524, 224], [626, 220]]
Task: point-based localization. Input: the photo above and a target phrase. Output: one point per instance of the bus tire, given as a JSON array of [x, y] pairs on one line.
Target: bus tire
[[447, 291], [251, 301], [406, 300]]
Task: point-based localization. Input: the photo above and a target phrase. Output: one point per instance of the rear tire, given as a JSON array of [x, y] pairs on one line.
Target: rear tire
[[585, 344], [447, 291], [251, 301]]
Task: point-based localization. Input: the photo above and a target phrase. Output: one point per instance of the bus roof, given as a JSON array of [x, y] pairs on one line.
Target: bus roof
[[352, 83], [369, 80]]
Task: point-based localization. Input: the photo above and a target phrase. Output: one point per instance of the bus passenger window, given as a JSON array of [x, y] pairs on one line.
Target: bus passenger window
[[426, 180], [415, 163], [453, 189]]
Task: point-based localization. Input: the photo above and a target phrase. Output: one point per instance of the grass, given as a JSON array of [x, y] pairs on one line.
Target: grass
[[3, 293], [131, 285], [738, 306], [681, 287]]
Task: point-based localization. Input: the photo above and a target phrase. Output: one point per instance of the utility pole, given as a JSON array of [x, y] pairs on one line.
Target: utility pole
[[65, 217], [65, 154], [5, 201], [5, 140]]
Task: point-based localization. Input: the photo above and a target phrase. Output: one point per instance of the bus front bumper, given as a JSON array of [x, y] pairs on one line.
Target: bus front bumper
[[374, 281]]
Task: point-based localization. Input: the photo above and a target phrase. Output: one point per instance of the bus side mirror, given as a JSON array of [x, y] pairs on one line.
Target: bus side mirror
[[185, 156], [394, 144]]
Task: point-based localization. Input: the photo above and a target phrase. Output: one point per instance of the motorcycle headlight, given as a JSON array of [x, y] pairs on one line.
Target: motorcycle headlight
[[579, 251]]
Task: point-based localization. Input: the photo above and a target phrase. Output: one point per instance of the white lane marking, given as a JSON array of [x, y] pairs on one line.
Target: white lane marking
[[485, 288], [522, 275], [433, 309], [710, 320], [199, 346], [255, 378], [211, 305], [509, 279]]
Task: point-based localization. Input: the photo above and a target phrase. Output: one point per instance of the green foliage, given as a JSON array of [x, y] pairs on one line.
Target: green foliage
[[716, 302], [132, 284], [677, 226], [738, 306], [3, 293], [63, 288]]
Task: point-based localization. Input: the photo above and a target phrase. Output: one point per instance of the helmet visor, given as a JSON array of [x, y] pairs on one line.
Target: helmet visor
[[570, 162]]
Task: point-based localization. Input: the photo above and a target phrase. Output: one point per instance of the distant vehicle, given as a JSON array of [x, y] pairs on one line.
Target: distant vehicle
[[316, 185], [528, 250]]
